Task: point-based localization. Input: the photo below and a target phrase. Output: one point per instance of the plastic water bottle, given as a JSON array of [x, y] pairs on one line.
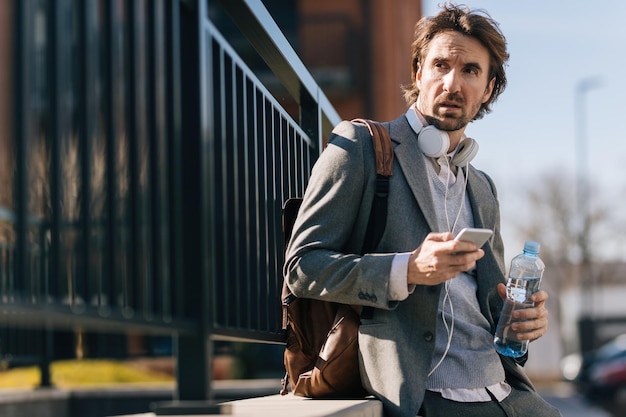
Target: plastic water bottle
[[524, 280]]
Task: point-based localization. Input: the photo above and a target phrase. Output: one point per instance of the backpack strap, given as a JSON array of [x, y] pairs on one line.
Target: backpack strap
[[383, 150], [382, 146]]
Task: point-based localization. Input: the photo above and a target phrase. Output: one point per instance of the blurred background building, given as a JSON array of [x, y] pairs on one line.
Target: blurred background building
[[357, 50]]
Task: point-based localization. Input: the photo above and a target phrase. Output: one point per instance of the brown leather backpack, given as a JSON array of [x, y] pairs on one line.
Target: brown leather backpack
[[321, 352]]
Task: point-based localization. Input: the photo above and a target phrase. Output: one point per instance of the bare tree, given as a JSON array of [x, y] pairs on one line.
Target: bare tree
[[557, 223]]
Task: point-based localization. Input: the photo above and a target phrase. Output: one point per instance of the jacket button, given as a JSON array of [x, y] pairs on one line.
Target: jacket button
[[428, 336]]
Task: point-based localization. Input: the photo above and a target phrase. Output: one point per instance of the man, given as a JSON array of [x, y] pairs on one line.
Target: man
[[428, 348]]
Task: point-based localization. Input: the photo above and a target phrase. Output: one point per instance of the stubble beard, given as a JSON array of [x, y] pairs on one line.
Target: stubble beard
[[447, 124], [451, 123]]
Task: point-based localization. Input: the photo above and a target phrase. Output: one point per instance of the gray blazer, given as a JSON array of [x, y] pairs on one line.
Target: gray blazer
[[323, 258]]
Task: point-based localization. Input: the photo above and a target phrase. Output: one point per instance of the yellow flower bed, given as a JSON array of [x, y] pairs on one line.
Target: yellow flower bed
[[81, 373]]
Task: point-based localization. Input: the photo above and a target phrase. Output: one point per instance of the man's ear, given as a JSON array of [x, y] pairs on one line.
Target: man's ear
[[489, 90], [418, 74]]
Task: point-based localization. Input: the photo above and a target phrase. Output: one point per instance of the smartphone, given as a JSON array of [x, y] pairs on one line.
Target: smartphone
[[475, 235]]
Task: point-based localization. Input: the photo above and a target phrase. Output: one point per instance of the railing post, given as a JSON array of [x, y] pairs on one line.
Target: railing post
[[20, 132], [47, 355], [194, 352]]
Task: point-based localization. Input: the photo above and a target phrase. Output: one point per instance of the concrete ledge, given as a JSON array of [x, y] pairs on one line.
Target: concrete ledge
[[10, 396], [291, 405], [238, 398], [37, 402]]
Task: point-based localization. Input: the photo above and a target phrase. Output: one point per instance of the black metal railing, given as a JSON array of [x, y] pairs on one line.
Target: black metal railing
[[149, 168]]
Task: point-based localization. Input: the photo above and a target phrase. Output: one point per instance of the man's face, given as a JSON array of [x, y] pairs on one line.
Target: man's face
[[453, 80]]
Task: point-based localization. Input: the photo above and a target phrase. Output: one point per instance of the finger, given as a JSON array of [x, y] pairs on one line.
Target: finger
[[462, 247], [530, 325], [466, 258], [531, 335], [531, 313], [530, 330], [539, 297], [501, 288], [440, 236]]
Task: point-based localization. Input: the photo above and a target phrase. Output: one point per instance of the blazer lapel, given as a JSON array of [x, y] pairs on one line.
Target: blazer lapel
[[479, 189], [413, 166]]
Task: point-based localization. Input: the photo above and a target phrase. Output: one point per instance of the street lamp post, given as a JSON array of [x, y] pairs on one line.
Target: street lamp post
[[587, 336]]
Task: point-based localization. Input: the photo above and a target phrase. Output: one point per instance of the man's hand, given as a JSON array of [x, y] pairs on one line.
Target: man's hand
[[536, 318], [440, 258]]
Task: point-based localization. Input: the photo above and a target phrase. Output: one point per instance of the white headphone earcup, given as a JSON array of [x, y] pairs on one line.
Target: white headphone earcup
[[468, 148], [433, 142]]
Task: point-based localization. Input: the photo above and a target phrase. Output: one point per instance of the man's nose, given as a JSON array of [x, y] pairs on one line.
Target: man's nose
[[451, 82]]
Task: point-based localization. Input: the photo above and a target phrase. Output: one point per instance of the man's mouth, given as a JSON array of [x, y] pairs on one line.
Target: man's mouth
[[448, 109], [450, 102], [449, 105]]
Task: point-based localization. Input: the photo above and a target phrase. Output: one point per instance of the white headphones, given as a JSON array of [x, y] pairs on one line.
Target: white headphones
[[435, 143]]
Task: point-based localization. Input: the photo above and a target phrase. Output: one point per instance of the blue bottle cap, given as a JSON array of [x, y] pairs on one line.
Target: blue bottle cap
[[532, 246]]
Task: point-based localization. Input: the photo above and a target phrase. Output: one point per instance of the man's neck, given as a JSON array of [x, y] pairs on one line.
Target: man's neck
[[455, 138]]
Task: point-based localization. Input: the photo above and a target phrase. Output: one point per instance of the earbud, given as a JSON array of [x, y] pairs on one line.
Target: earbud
[[435, 143]]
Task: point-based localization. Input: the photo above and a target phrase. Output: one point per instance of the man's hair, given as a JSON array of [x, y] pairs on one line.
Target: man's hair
[[474, 23]]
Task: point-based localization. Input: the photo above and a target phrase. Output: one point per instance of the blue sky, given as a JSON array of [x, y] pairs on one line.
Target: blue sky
[[532, 129]]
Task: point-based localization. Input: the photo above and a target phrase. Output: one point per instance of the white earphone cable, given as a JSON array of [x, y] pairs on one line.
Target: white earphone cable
[[458, 214], [445, 197], [449, 328]]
